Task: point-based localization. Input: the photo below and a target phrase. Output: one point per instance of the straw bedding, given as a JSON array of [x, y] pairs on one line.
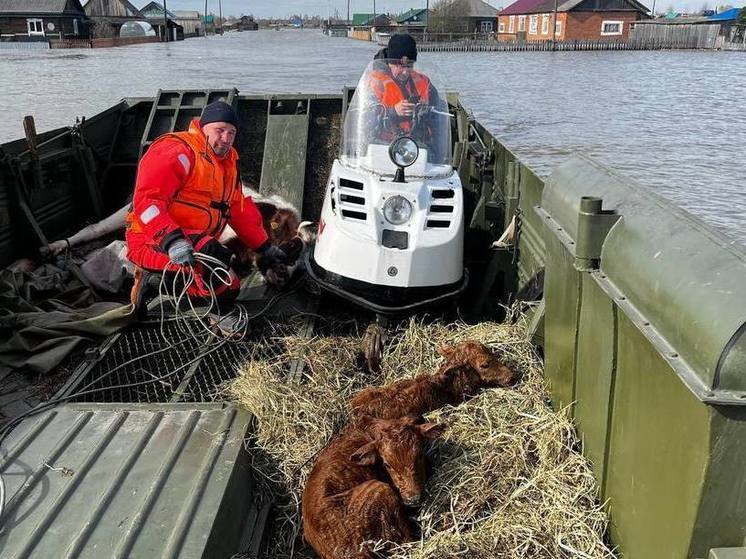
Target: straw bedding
[[506, 480]]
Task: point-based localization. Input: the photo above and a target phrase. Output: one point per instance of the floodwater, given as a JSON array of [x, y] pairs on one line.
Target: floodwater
[[673, 121]]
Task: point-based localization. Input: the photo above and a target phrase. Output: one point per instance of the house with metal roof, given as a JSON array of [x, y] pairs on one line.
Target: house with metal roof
[[463, 16], [191, 21], [154, 14], [413, 17], [566, 20], [371, 20], [22, 20], [108, 16]]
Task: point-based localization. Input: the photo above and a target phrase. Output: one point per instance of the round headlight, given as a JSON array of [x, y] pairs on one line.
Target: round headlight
[[404, 151], [397, 210]]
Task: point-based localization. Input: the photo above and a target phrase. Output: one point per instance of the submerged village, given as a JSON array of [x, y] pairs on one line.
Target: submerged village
[[441, 25]]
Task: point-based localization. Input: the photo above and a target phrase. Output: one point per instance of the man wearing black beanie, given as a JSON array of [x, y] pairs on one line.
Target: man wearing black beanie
[[398, 87], [187, 191]]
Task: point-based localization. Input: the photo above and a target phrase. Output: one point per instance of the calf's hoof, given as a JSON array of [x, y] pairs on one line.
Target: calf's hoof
[[373, 341]]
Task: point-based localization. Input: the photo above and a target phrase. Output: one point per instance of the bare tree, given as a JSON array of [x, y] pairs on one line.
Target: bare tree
[[449, 16]]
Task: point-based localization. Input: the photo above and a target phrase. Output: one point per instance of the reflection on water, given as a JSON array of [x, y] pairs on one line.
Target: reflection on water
[[670, 120]]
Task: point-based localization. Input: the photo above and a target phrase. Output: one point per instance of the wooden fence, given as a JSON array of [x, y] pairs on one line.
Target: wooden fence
[[686, 36], [100, 43], [505, 46]]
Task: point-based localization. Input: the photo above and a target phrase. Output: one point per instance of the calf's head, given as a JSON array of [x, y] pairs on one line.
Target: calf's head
[[280, 223], [482, 360], [400, 445]]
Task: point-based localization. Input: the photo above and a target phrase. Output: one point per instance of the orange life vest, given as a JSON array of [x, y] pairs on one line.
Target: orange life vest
[[390, 92], [202, 203]]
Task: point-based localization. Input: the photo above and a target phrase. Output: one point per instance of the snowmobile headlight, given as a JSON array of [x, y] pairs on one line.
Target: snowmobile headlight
[[404, 151], [397, 210]]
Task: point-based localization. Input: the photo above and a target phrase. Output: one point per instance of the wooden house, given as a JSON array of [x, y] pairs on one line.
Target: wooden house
[[153, 13], [247, 23], [108, 16], [413, 17], [371, 20], [25, 20], [463, 16], [191, 21], [534, 20]]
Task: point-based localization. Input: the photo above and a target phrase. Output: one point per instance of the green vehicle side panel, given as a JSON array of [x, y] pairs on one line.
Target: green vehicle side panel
[[658, 453], [561, 292], [595, 371]]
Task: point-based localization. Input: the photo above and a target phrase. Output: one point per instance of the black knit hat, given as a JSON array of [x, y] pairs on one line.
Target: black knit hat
[[219, 111], [401, 46]]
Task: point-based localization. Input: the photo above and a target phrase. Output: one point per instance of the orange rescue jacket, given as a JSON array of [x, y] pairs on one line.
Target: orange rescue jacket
[[390, 92], [182, 186]]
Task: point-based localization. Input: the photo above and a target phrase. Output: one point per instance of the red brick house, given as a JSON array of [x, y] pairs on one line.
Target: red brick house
[[534, 20]]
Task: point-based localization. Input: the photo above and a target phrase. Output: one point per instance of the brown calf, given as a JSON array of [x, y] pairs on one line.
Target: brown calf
[[469, 366], [348, 499], [492, 371]]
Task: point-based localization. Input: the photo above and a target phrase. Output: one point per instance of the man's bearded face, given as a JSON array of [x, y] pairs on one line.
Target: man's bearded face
[[220, 136]]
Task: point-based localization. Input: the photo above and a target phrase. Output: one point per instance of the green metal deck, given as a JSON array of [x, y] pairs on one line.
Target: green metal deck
[[128, 481]]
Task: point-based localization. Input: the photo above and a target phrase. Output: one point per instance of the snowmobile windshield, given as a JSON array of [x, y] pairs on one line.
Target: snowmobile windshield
[[394, 100]]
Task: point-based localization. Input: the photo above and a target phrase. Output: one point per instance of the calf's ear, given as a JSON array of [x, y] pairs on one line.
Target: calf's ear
[[446, 350], [431, 430], [366, 455]]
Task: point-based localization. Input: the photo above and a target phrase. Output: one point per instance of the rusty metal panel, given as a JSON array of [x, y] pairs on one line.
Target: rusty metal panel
[[126, 480], [594, 372], [658, 452]]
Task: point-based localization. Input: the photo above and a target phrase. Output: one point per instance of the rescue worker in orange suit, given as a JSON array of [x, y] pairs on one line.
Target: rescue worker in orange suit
[[401, 92], [187, 190]]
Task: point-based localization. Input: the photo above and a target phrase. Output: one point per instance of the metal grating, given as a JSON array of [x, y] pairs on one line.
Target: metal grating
[[141, 366]]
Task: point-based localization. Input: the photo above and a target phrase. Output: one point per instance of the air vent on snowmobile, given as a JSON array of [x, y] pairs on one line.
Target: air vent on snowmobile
[[438, 214], [351, 197], [443, 193]]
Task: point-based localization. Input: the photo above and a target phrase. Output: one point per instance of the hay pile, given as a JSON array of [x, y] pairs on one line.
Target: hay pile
[[506, 480]]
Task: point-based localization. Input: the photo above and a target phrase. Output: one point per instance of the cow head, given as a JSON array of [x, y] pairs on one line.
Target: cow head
[[461, 381], [490, 368], [280, 223], [400, 446]]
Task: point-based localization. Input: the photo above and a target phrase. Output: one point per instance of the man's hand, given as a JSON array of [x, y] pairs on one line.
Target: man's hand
[[181, 253], [217, 250], [404, 108]]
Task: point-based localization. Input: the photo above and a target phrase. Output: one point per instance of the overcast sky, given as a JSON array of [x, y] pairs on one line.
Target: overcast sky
[[282, 8]]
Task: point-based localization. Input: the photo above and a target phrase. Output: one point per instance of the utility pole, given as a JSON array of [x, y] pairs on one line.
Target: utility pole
[[554, 31], [165, 22], [204, 19], [427, 18], [348, 12], [220, 11]]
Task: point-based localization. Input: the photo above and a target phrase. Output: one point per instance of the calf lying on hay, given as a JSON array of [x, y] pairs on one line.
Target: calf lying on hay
[[506, 480], [348, 499], [469, 367]]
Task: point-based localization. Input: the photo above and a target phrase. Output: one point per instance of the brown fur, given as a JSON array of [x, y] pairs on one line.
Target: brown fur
[[469, 366], [348, 498], [491, 370]]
